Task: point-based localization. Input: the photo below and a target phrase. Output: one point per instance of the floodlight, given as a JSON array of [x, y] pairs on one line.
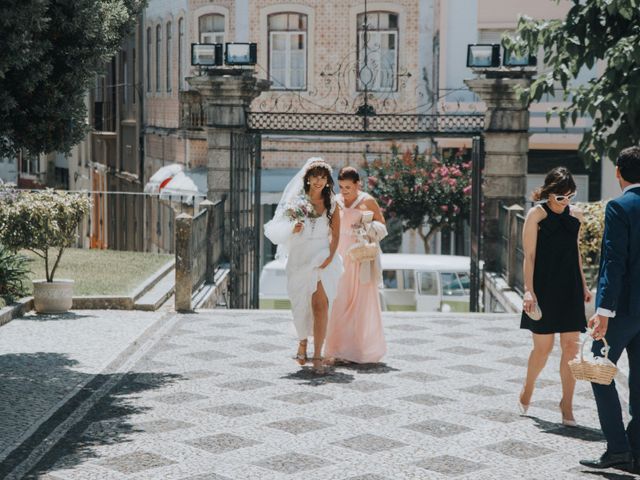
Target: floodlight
[[483, 56], [206, 54], [511, 59], [241, 54]]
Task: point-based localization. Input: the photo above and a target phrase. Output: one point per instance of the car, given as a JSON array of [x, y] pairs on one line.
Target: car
[[442, 283]]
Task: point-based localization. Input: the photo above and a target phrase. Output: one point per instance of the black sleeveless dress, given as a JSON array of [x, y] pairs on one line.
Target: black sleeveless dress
[[557, 281]]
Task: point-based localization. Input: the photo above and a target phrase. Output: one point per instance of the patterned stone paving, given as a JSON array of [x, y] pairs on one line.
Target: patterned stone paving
[[218, 397]]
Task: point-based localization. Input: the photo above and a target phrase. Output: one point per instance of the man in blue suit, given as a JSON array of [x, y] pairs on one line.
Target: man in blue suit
[[618, 315]]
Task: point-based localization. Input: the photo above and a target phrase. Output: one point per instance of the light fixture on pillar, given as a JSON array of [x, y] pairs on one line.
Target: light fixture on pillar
[[483, 56], [237, 54], [206, 54], [512, 59]]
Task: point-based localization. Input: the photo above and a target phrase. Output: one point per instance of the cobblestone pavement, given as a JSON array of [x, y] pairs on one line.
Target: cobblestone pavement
[[216, 395]]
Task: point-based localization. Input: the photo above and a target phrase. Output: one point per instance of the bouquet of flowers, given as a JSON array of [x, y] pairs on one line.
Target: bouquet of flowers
[[300, 208]]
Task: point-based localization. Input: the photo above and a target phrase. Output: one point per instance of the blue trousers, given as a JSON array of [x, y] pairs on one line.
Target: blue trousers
[[623, 333]]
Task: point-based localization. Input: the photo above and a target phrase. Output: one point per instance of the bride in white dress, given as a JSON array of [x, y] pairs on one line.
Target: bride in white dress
[[308, 239]]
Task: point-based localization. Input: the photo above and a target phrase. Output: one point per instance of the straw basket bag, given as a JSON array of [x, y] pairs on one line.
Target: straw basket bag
[[597, 370], [363, 252]]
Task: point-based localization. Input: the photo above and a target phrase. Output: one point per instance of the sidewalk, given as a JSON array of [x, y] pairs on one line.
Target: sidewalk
[[216, 395]]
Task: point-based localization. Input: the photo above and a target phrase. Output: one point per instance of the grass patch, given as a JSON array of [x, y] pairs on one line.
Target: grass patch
[[100, 272]]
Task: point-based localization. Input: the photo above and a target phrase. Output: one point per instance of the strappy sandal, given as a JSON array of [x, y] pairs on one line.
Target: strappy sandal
[[322, 369], [302, 358]]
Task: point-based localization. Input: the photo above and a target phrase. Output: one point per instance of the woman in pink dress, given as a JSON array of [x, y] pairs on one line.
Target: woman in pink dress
[[354, 333]]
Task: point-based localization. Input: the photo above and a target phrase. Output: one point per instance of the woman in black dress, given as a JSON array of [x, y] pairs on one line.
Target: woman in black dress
[[554, 282]]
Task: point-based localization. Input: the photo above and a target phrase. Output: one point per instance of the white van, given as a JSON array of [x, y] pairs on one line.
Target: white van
[[442, 283]]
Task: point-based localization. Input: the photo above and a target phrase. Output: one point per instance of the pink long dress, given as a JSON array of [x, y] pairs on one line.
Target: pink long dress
[[354, 332]]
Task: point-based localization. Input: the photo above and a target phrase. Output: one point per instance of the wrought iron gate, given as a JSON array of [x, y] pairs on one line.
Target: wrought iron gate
[[245, 224]]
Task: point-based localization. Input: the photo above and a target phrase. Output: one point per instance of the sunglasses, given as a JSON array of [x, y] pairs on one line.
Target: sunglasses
[[562, 198]]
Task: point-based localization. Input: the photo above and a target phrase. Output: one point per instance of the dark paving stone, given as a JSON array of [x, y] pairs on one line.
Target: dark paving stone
[[427, 399], [266, 333], [415, 358], [501, 416], [244, 385], [166, 347], [226, 325], [448, 321], [290, 463], [198, 374], [437, 428], [474, 369], [206, 476], [218, 338], [506, 343], [302, 398], [135, 462], [459, 350], [274, 320], [496, 329], [365, 386], [411, 341], [163, 425], [266, 347], [519, 449], [407, 327], [181, 397], [456, 335], [484, 390], [365, 411], [368, 443], [209, 355], [299, 425], [234, 410], [552, 405], [421, 376], [368, 476], [254, 364], [515, 361], [220, 443], [540, 382], [449, 465]]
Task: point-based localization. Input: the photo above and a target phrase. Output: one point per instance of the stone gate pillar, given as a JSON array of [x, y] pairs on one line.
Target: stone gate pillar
[[506, 146], [225, 99]]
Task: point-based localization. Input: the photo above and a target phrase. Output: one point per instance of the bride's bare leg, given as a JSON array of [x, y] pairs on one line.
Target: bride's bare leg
[[320, 307]]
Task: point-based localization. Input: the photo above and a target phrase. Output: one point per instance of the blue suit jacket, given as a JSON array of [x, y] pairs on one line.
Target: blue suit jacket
[[619, 280]]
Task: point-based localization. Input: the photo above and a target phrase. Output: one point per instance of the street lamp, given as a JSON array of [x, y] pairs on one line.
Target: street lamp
[[483, 56], [511, 59], [241, 54]]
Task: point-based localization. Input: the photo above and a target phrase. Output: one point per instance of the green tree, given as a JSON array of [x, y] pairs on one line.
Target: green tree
[[50, 52], [607, 30], [422, 191]]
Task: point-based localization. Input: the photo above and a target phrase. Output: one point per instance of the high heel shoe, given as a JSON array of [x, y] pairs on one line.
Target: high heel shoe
[[302, 358], [319, 367], [565, 421]]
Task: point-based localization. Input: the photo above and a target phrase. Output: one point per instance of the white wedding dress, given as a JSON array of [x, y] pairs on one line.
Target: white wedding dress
[[307, 250], [304, 253]]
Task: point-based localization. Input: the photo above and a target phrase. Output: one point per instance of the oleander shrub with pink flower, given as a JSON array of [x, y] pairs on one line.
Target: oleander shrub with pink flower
[[427, 193]]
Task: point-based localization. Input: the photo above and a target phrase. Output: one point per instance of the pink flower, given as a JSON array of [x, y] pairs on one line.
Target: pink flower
[[456, 209], [373, 181], [452, 181], [467, 190], [444, 208]]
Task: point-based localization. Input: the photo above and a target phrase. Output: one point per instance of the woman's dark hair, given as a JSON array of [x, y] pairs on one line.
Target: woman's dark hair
[[558, 181], [349, 173], [327, 192], [628, 162]]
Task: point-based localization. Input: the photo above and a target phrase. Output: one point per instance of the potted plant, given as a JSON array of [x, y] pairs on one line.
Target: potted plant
[[44, 222]]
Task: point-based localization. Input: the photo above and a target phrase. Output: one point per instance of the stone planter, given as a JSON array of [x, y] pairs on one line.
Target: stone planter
[[52, 297]]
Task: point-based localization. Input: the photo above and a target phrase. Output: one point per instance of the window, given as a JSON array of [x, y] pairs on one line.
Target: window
[[288, 51], [390, 279], [378, 62], [408, 280], [428, 283], [30, 164], [211, 28], [451, 285], [168, 52], [158, 57], [180, 48], [148, 59]]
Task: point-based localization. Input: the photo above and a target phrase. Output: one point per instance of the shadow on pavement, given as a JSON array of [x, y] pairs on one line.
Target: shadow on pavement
[[313, 379], [50, 317], [579, 433], [34, 383], [373, 368], [608, 475]]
